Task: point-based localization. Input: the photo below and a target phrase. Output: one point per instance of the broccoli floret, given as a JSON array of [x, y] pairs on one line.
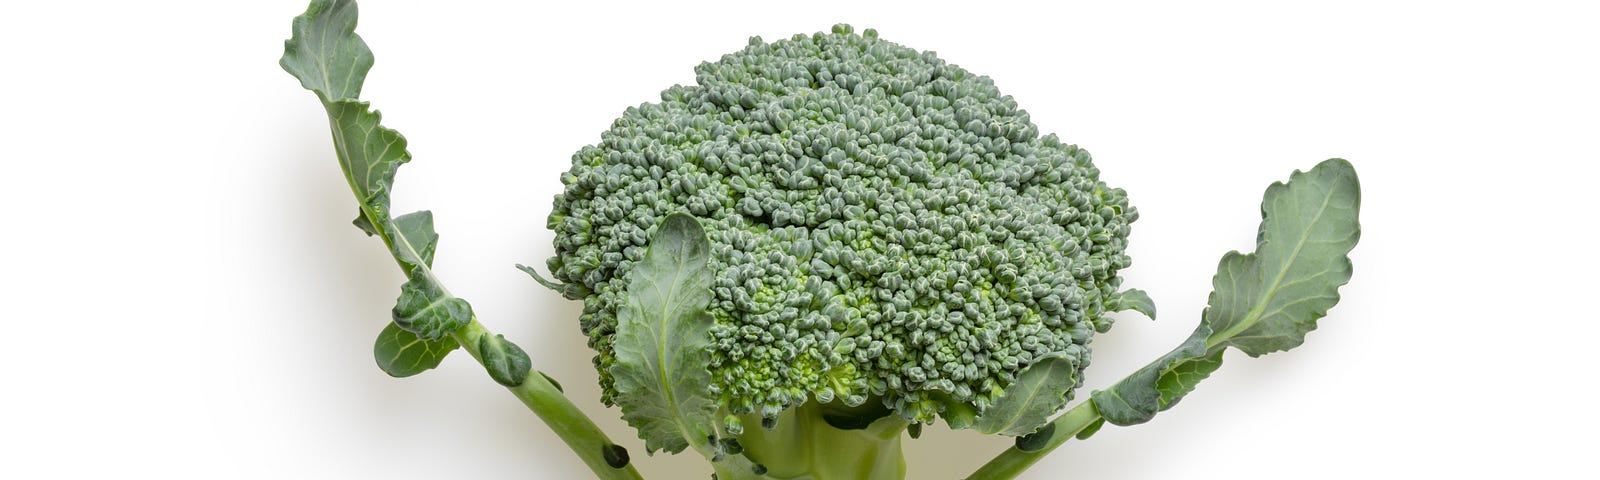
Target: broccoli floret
[[885, 227]]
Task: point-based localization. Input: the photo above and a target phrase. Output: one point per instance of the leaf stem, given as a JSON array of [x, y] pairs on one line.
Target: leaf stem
[[1013, 461], [552, 406]]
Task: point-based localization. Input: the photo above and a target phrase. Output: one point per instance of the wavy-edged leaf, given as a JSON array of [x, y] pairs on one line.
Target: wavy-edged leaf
[[329, 59], [325, 53], [1041, 390], [663, 333], [506, 362], [369, 154], [1183, 377], [1136, 300], [1264, 301], [401, 354], [1137, 398], [415, 239], [424, 308], [1267, 301]]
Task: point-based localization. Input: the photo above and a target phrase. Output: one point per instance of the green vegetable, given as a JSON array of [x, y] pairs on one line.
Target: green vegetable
[[825, 243], [885, 227]]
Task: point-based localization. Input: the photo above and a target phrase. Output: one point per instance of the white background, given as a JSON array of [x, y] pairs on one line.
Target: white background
[[186, 298]]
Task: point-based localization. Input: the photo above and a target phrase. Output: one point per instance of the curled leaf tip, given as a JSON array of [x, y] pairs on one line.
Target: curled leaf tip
[[557, 287], [1136, 300]]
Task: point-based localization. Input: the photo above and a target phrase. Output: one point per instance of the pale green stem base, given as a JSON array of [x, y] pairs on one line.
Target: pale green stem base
[[803, 446]]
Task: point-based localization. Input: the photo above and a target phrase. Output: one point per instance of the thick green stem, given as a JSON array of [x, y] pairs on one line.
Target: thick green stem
[[559, 413], [1012, 462], [803, 445]]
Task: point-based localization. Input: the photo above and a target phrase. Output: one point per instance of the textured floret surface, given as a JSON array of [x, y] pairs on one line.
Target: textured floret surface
[[885, 226]]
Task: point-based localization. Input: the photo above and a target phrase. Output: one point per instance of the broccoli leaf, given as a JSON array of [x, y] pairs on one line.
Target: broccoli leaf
[[1266, 301], [363, 223], [1041, 390], [369, 153], [1136, 300], [420, 240], [424, 306], [402, 354], [507, 363], [662, 340], [1183, 377], [329, 59], [325, 52], [1262, 302], [1137, 398]]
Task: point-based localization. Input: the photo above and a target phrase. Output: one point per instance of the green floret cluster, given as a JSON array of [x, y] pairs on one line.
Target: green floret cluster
[[884, 226]]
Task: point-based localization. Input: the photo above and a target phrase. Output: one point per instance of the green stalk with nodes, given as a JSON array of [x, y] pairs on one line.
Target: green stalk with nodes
[[427, 321]]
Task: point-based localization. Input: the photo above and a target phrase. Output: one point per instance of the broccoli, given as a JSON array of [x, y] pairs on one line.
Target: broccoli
[[884, 226], [825, 244]]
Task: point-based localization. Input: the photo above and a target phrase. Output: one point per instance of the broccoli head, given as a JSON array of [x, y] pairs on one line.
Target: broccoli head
[[885, 227]]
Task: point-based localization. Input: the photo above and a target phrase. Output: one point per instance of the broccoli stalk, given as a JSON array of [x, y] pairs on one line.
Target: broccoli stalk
[[827, 442]]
